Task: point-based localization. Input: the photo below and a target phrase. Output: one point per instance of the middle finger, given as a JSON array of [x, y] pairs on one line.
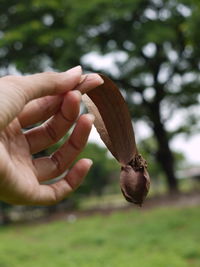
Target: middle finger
[[51, 131]]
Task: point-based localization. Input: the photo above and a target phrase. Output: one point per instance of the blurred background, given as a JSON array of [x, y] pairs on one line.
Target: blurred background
[[151, 49]]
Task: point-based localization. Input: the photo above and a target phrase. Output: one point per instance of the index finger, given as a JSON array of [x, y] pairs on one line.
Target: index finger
[[17, 91]]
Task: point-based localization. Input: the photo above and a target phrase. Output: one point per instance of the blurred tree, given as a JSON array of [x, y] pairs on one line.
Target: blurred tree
[[153, 44], [4, 217], [148, 149]]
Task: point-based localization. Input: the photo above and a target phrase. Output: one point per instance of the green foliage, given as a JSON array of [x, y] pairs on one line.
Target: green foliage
[[35, 32], [162, 237]]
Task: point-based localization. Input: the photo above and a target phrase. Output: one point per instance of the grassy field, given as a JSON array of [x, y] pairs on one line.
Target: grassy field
[[163, 237]]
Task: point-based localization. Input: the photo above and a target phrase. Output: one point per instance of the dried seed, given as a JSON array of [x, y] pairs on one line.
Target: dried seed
[[113, 123]]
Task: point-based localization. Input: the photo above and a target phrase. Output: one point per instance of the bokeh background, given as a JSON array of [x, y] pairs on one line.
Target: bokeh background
[[151, 49]]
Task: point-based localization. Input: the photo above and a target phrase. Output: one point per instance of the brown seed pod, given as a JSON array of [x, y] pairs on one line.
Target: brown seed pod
[[135, 181], [113, 123]]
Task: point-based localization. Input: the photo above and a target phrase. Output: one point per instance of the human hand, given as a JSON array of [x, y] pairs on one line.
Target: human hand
[[24, 101]]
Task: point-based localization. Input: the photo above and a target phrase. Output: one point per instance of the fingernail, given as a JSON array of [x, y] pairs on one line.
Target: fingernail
[[83, 78], [90, 162], [96, 77], [75, 70], [77, 92], [91, 117], [99, 79]]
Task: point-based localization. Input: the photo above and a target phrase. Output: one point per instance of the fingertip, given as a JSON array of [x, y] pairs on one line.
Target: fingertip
[[73, 75], [74, 70], [86, 121], [71, 105], [78, 172], [73, 95], [96, 78], [87, 162], [90, 117], [89, 82], [76, 93], [70, 78]]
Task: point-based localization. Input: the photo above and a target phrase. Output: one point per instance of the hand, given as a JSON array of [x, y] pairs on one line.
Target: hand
[[24, 101]]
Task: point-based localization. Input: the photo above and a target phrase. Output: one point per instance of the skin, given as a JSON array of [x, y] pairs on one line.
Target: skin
[[52, 98]]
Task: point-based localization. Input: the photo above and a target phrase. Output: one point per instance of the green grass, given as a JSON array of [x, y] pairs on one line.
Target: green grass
[[167, 237]]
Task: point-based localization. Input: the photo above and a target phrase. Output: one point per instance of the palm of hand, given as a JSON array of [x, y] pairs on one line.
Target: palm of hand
[[16, 165]]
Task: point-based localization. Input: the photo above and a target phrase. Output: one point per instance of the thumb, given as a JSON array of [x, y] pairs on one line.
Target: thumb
[[17, 91]]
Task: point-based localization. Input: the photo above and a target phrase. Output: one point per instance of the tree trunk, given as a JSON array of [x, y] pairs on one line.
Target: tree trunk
[[164, 154], [4, 218], [165, 157]]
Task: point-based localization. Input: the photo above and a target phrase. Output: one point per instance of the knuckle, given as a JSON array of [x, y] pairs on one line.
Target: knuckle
[[50, 73], [59, 192], [56, 194], [76, 147], [51, 132], [67, 119], [57, 159], [44, 106], [14, 81]]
